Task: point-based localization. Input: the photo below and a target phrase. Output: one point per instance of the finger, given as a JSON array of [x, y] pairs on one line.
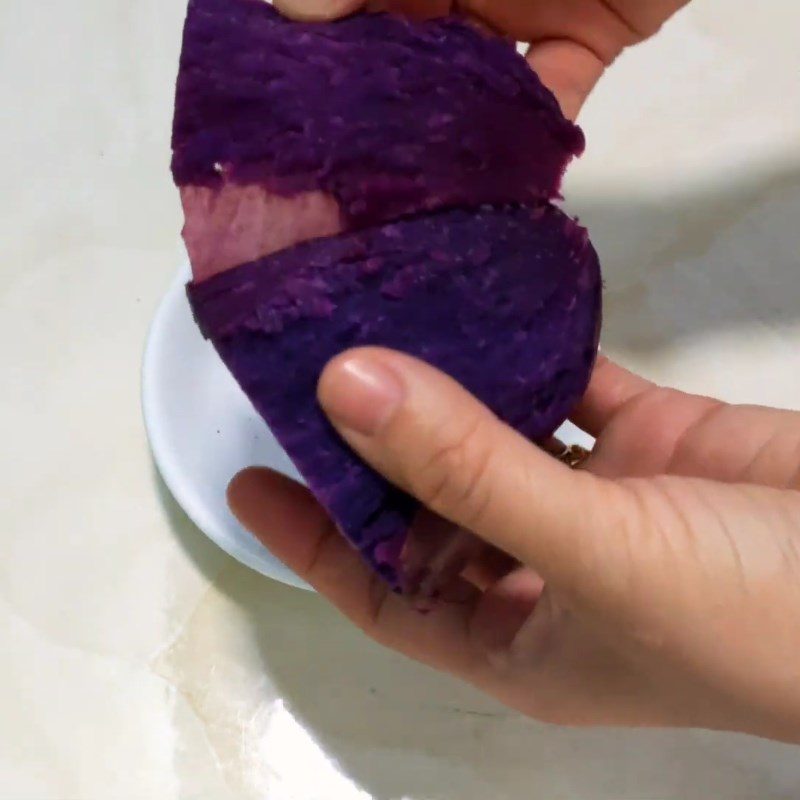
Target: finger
[[429, 535], [317, 10], [611, 389], [505, 608], [568, 69], [287, 520], [488, 567], [594, 24], [429, 436], [284, 516]]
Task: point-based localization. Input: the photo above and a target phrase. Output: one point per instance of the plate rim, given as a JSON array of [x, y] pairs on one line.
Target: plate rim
[[163, 457]]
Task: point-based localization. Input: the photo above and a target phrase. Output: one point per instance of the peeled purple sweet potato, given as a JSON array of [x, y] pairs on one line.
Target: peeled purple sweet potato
[[377, 181], [507, 301], [285, 131]]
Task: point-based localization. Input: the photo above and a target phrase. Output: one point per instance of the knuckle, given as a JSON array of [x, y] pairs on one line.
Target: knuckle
[[607, 539], [648, 544], [454, 476]]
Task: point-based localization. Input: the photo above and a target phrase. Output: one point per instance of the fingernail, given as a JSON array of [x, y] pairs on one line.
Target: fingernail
[[361, 394], [316, 9]]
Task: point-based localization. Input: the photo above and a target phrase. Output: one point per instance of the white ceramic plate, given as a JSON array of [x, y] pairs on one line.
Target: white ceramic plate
[[203, 430]]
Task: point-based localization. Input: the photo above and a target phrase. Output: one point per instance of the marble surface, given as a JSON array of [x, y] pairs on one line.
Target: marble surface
[[140, 662]]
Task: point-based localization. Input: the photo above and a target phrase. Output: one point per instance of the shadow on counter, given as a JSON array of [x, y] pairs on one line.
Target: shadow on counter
[[399, 730]]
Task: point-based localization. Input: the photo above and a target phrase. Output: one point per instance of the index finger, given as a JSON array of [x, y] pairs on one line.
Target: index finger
[[287, 520]]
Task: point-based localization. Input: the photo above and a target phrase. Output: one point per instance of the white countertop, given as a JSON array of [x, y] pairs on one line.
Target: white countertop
[[140, 662]]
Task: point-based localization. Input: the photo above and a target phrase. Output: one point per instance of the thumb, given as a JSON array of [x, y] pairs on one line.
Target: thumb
[[429, 436]]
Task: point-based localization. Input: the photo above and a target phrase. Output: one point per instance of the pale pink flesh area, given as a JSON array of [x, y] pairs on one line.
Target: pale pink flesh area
[[235, 224]]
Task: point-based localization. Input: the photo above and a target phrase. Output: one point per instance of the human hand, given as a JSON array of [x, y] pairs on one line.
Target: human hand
[[571, 41], [658, 586]]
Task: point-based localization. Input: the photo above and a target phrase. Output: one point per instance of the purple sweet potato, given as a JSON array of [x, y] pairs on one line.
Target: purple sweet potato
[[287, 131], [505, 300], [378, 181]]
